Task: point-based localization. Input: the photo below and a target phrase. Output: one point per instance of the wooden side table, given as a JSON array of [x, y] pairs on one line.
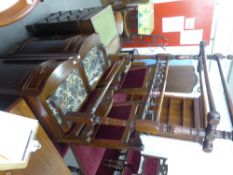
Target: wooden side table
[[47, 160]]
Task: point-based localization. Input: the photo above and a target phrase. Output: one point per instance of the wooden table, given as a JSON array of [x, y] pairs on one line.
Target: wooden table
[[45, 161]]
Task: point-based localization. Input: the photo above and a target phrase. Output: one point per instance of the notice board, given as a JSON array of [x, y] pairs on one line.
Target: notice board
[[183, 23]]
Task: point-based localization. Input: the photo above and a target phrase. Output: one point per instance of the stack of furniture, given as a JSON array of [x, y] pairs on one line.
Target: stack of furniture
[[84, 97], [99, 104], [82, 21], [97, 80]]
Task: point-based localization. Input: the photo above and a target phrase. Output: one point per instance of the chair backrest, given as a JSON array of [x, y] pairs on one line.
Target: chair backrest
[[68, 90], [17, 76], [62, 91], [94, 63]]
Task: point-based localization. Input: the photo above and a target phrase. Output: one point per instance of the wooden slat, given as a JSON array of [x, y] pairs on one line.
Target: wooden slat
[[197, 114], [188, 116], [165, 110], [169, 116], [104, 90], [162, 93], [183, 121]]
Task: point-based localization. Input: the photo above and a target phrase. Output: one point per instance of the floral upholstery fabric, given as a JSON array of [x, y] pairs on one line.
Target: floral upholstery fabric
[[68, 97], [94, 64]]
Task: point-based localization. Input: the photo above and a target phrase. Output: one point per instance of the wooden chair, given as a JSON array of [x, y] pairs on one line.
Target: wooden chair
[[133, 162], [80, 45], [61, 94]]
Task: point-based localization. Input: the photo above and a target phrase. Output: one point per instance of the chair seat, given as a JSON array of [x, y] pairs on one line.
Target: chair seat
[[114, 132], [110, 132], [151, 165], [110, 154], [89, 158], [133, 159], [134, 78]]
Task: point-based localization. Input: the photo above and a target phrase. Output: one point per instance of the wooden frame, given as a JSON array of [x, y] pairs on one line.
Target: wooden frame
[[54, 78], [124, 166]]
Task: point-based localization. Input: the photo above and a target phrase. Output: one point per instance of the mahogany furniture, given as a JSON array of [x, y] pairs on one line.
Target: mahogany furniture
[[64, 23], [155, 113], [44, 161], [64, 93], [65, 45], [82, 21], [96, 160], [83, 43], [207, 119], [16, 11], [133, 162]]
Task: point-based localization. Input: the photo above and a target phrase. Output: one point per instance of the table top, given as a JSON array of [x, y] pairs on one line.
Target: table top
[[46, 160]]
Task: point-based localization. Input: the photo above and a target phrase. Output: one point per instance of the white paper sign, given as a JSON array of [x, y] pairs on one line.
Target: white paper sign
[[173, 24], [189, 23], [191, 36], [16, 133]]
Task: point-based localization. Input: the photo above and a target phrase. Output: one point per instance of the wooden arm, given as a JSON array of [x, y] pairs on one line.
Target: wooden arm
[[90, 119], [80, 117], [104, 90]]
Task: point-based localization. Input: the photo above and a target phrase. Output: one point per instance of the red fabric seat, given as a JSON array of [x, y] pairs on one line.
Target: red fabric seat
[[114, 132], [151, 165], [89, 158], [134, 78], [133, 159]]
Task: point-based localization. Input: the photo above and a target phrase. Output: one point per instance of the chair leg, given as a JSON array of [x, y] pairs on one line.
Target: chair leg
[[116, 164], [74, 169]]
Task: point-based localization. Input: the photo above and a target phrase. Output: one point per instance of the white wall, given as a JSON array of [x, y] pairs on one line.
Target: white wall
[[187, 158]]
